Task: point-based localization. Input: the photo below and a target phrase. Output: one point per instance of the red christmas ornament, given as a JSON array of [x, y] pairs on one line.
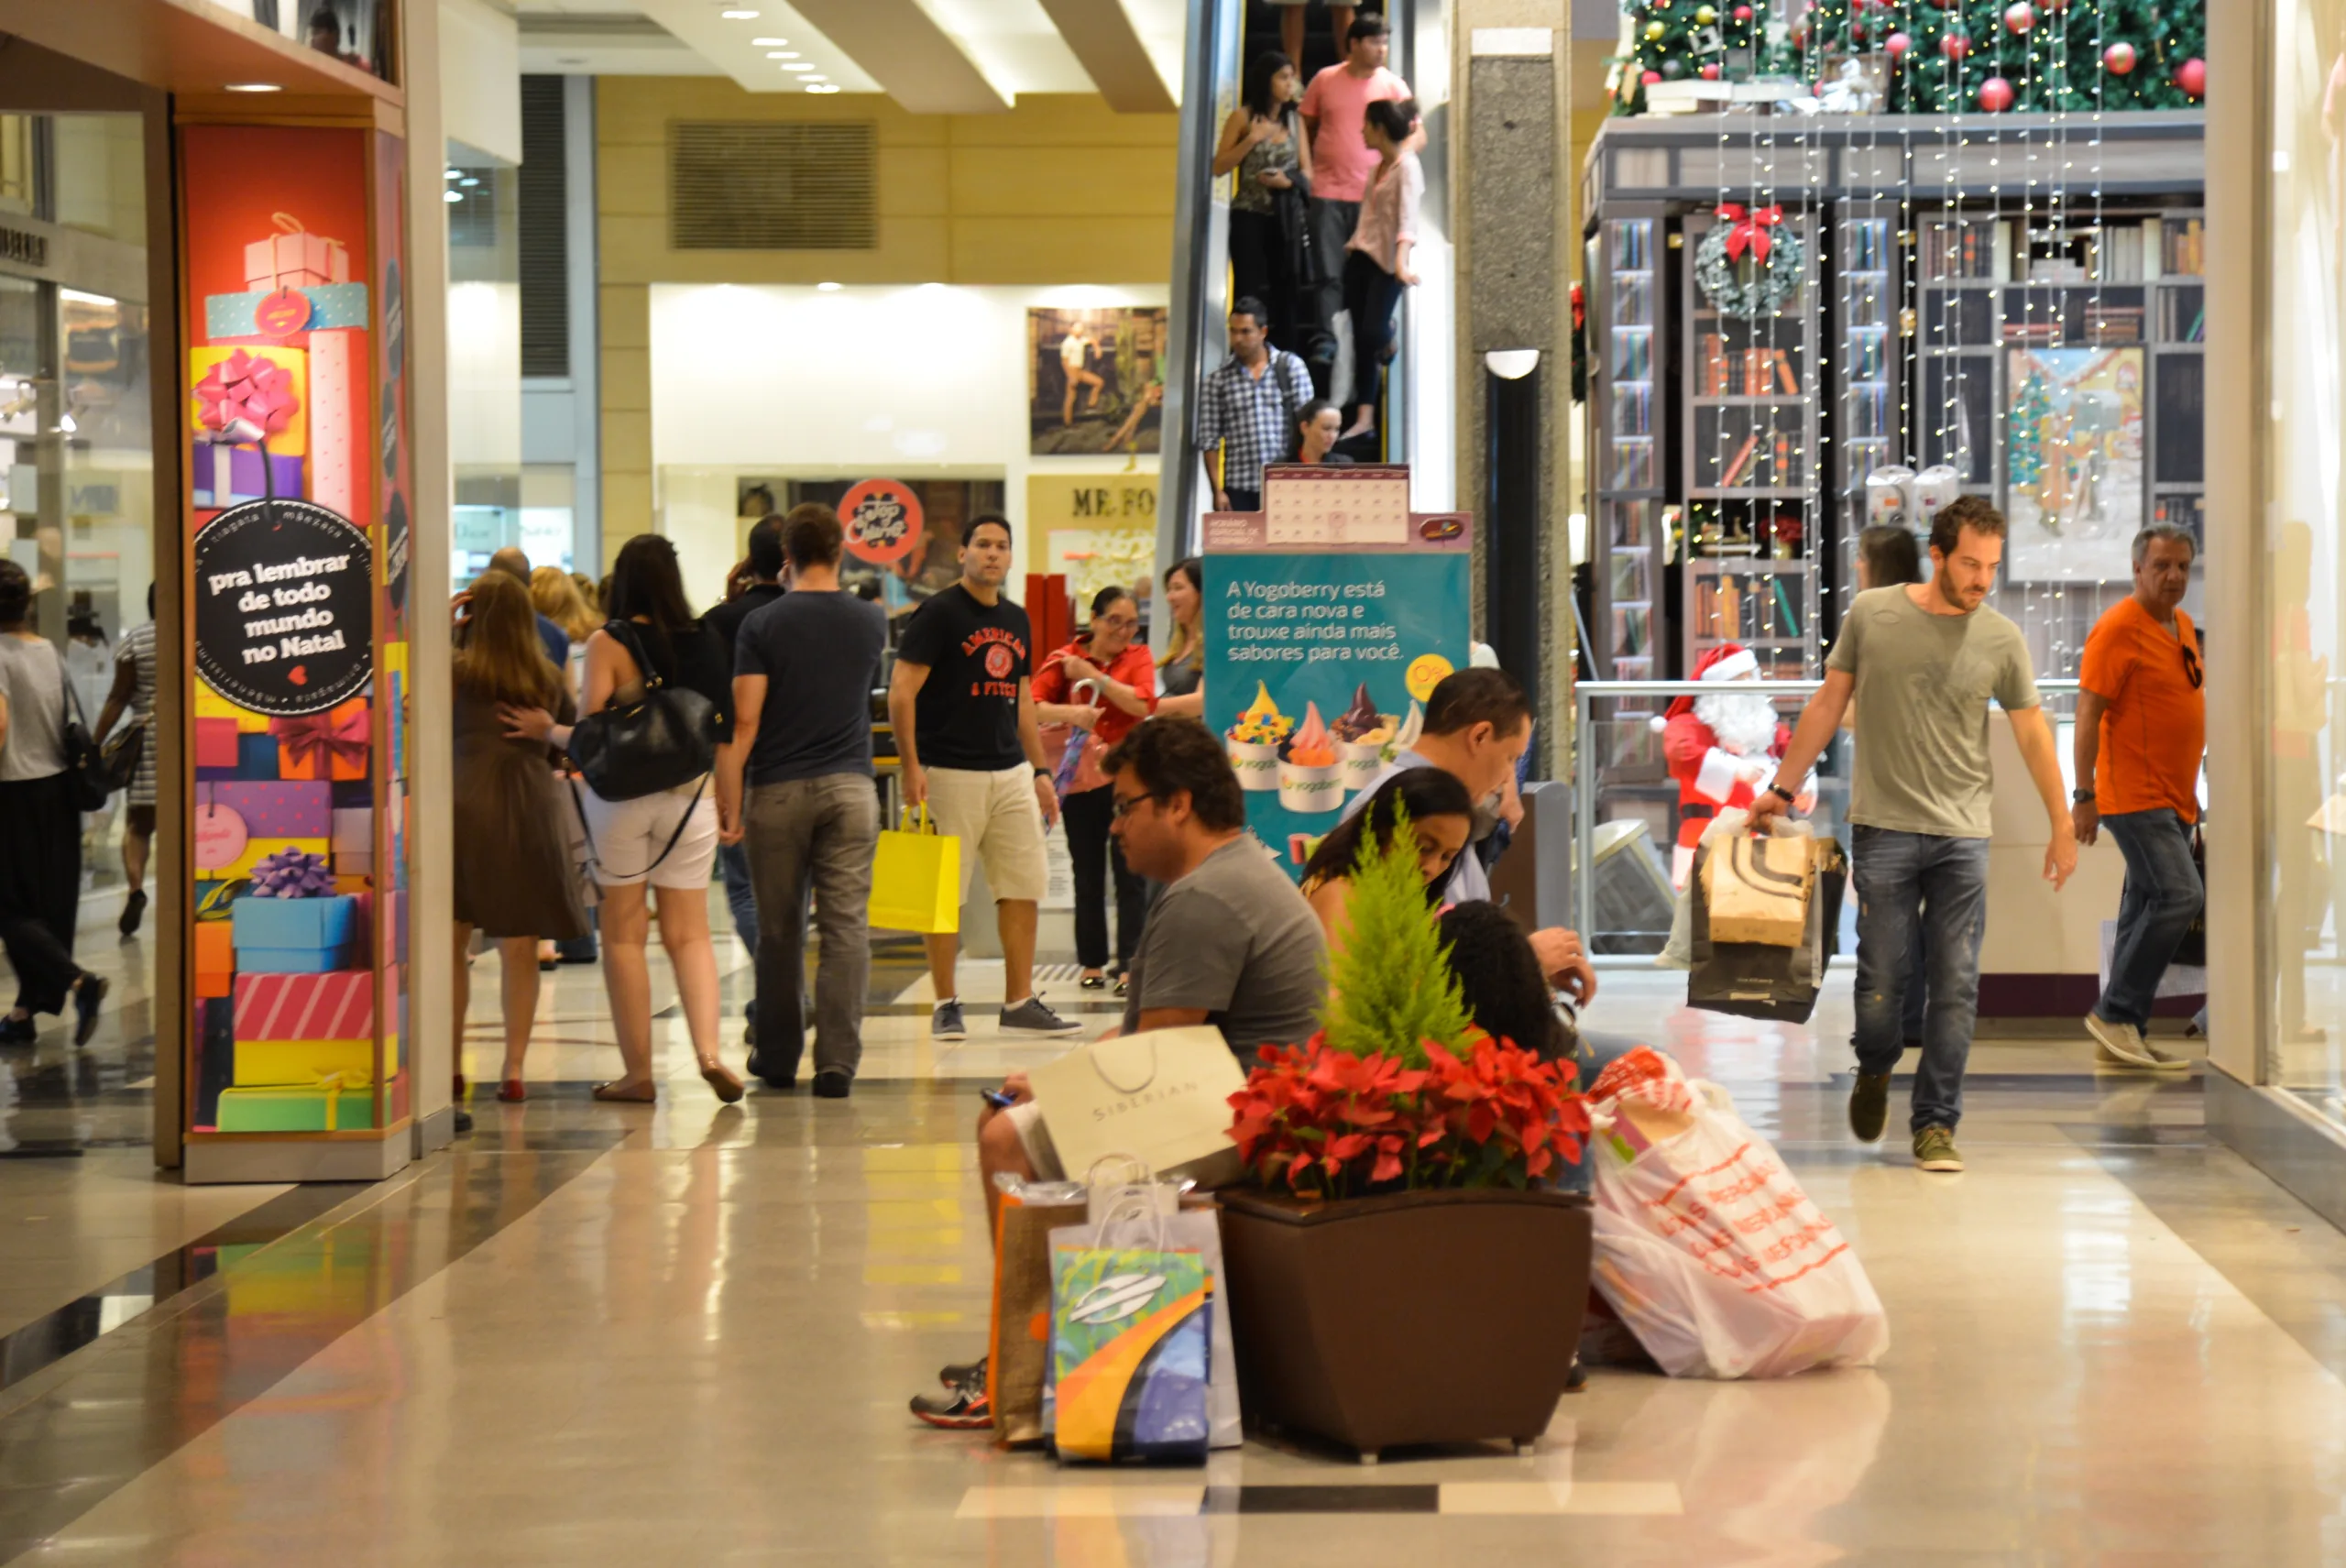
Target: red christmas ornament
[[2192, 77], [2117, 59], [1898, 44], [1954, 46], [2020, 17], [1650, 77], [1711, 72], [1743, 13], [1995, 94]]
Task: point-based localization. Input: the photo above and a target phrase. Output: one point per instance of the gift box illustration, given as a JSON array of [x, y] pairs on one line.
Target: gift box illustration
[[216, 743], [330, 1107], [221, 835], [216, 958], [210, 704], [279, 808], [258, 849], [239, 469], [242, 398], [304, 1062], [257, 756], [305, 1006], [293, 258], [292, 308], [296, 934], [324, 746]]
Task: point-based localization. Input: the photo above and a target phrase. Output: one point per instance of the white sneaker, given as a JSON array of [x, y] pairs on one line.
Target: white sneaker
[[2118, 1045]]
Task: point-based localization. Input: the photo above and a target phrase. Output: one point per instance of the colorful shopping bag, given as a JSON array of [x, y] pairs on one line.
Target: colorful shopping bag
[[1130, 1370], [916, 879]]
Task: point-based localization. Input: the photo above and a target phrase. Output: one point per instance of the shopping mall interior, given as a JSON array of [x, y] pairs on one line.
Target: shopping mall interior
[[1426, 414]]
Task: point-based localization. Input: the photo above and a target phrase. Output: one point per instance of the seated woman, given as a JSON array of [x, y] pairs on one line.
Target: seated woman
[[1441, 814], [1509, 998]]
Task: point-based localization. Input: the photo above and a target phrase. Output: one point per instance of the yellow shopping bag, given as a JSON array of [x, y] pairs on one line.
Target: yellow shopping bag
[[916, 879]]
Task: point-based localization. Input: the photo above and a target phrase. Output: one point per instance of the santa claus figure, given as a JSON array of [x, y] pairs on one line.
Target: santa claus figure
[[1721, 747]]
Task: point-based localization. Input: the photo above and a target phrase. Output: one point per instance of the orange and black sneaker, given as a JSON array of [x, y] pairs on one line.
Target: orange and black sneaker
[[960, 1407]]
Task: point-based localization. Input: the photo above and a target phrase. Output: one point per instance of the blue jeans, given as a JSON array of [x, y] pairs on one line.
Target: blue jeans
[[1906, 881], [2162, 899], [741, 895]]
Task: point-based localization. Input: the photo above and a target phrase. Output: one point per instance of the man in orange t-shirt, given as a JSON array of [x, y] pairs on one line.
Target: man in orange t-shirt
[[2142, 727]]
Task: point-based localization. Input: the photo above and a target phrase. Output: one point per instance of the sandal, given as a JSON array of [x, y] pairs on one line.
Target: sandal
[[614, 1092], [720, 1077]]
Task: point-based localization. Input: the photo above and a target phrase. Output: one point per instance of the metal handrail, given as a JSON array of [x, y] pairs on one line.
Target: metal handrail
[[1585, 693]]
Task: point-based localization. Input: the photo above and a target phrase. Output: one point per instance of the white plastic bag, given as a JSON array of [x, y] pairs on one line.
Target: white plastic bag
[[1707, 1248]]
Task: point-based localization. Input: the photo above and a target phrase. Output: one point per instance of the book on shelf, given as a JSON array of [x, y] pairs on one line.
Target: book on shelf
[[1714, 366], [2118, 252], [2113, 324], [1784, 377], [2184, 249], [1733, 469]]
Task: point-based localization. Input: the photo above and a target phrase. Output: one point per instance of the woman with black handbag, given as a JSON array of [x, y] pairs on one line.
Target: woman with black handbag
[[40, 825], [659, 701]]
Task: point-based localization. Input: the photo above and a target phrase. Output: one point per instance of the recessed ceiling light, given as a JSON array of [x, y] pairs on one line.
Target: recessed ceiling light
[[455, 174], [254, 87], [455, 196], [467, 181], [828, 288], [739, 15], [768, 43], [820, 87]]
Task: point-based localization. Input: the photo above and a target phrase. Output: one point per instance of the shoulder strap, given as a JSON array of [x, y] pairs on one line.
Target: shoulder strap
[[72, 698], [623, 633]]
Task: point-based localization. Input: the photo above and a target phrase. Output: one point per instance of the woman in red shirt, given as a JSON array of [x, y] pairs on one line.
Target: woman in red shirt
[[1102, 683]]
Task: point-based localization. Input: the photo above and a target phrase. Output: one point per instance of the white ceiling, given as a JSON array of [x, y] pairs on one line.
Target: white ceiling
[[1011, 44]]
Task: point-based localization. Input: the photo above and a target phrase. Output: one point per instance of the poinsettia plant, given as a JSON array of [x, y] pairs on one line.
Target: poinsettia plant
[[1399, 1090]]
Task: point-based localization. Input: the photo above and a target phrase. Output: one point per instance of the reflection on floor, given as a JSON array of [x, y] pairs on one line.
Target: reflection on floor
[[684, 1333]]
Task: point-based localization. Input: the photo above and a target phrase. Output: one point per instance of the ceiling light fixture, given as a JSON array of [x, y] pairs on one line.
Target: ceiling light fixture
[[768, 43], [739, 15], [455, 196], [254, 87], [827, 287]]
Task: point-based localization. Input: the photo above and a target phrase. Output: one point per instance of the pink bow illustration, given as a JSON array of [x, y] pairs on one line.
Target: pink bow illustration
[[321, 740], [246, 397], [1751, 230]]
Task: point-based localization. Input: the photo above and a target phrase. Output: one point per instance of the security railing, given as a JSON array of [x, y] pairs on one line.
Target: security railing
[[1620, 777]]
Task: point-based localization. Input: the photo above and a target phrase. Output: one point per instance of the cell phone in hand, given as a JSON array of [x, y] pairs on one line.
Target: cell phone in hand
[[1000, 1099]]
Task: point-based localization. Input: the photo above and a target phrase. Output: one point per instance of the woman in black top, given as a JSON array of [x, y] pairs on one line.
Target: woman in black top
[[666, 840]]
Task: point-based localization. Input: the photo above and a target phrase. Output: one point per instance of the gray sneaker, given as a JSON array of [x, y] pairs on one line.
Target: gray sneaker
[[1032, 1017], [2117, 1045], [945, 1023]]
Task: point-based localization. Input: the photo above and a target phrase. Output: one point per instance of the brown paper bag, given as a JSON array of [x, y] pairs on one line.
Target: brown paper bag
[[1757, 889], [1022, 1315]]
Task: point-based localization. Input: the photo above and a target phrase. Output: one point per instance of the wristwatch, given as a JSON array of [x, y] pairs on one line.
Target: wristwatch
[[2081, 796]]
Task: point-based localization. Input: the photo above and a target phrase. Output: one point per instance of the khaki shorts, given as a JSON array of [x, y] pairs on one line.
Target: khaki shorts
[[997, 820], [1034, 1137]]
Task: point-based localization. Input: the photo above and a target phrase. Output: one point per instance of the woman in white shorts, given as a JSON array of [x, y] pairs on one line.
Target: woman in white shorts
[[667, 841]]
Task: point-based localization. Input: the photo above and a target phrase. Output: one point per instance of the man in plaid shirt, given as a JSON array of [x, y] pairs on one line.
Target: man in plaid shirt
[[1249, 409]]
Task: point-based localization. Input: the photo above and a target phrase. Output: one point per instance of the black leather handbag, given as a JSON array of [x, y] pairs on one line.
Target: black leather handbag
[[661, 739], [122, 752], [86, 767]]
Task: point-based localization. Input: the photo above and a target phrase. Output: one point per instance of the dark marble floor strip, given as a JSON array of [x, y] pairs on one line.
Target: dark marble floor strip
[[1410, 1498], [53, 1336], [142, 1392]]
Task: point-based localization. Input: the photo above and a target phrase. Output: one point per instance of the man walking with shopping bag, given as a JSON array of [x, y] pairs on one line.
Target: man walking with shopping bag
[[2141, 726], [1920, 662]]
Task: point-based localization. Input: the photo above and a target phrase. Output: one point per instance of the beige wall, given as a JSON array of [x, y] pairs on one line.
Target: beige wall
[[1060, 189]]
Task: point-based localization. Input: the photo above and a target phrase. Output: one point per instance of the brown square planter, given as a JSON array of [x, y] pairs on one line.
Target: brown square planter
[[1428, 1316]]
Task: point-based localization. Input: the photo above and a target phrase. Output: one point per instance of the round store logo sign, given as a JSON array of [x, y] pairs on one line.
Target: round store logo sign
[[284, 606], [882, 519]]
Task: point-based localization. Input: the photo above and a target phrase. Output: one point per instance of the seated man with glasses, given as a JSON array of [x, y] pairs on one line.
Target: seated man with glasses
[[1231, 942]]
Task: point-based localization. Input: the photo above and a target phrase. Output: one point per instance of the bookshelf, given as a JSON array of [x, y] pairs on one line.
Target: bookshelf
[[1766, 604], [1630, 438], [1750, 399], [1868, 356]]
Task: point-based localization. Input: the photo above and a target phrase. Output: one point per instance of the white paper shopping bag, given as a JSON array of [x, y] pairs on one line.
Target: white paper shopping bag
[[1161, 1097]]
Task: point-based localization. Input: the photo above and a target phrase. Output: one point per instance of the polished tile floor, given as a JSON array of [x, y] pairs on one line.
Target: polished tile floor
[[686, 1334]]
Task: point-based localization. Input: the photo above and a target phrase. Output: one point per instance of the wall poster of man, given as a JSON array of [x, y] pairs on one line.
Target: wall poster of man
[[1095, 379]]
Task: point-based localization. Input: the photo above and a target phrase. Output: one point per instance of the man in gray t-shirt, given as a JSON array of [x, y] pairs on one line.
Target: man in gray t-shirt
[[1918, 662]]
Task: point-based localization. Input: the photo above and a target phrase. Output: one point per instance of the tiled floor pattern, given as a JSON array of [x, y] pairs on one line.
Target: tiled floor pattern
[[683, 1334]]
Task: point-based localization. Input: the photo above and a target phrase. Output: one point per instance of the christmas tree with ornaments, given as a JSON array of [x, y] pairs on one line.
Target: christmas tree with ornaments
[[1968, 56]]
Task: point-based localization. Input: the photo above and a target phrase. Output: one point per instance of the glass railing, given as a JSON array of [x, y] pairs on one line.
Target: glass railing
[[1625, 804]]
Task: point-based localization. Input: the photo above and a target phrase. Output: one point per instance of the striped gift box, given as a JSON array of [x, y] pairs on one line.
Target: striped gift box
[[335, 1006]]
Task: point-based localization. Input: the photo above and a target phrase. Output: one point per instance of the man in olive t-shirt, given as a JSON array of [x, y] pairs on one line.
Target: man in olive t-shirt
[[1920, 662]]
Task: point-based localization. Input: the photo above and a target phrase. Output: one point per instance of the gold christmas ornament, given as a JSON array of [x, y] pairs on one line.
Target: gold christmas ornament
[[1653, 32]]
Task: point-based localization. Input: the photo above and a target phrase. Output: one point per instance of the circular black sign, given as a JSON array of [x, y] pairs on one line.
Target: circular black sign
[[284, 606]]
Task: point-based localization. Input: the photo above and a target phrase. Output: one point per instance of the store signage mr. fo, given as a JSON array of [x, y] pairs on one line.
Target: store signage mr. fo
[[882, 519], [284, 618]]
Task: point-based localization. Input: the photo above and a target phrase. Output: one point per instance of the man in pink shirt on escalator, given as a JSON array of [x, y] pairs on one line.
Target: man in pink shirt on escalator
[[1334, 106]]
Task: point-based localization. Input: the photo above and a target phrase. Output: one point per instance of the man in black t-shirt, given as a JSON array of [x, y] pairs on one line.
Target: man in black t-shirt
[[964, 721], [726, 619], [804, 670]]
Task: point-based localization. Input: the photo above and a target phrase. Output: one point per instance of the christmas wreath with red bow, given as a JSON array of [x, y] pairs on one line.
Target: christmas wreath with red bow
[[1750, 263]]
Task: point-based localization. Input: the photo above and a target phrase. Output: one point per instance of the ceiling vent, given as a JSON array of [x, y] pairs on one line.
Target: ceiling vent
[[761, 185]]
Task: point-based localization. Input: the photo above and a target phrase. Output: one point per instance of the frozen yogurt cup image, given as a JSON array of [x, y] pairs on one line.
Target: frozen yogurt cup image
[[1405, 738], [1255, 740], [1310, 779], [1362, 735]]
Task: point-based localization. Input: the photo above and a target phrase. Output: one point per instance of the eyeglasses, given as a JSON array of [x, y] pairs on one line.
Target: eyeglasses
[[1115, 622], [1126, 805], [2191, 665]]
